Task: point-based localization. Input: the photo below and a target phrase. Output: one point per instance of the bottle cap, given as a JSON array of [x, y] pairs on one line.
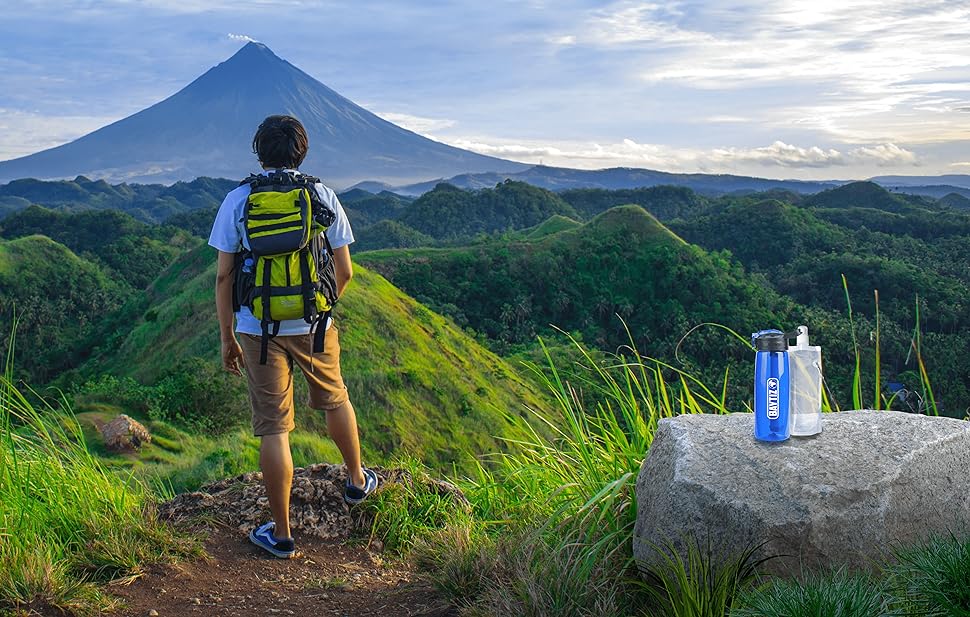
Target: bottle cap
[[770, 340]]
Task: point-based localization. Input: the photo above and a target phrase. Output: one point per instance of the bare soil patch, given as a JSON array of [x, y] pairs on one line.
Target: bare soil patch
[[327, 578]]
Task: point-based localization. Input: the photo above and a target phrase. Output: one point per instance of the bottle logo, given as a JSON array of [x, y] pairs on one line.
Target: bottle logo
[[773, 398]]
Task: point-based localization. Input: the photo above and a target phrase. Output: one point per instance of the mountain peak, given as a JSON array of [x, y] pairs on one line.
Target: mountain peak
[[205, 129], [253, 58], [252, 50]]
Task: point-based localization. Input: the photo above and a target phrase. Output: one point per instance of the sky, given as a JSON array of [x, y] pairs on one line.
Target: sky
[[825, 89]]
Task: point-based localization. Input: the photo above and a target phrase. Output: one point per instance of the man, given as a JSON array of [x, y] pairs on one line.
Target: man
[[281, 145]]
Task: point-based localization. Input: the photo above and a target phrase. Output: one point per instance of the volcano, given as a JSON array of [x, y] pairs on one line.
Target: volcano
[[206, 129]]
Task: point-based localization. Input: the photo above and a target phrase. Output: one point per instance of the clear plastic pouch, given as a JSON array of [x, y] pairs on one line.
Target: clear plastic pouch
[[806, 386]]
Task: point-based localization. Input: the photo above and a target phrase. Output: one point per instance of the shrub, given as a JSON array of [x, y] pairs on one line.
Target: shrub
[[198, 395], [124, 392]]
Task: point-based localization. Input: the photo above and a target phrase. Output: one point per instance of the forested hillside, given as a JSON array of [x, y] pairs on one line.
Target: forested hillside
[[146, 202], [793, 253], [512, 262], [57, 300], [420, 385]]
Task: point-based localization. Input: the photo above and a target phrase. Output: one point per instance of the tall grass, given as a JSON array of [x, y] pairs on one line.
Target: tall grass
[[560, 506], [65, 522], [879, 400]]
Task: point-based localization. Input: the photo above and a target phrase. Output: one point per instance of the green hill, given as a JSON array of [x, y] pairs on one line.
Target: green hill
[[448, 213], [146, 202], [955, 201], [763, 233], [389, 234], [862, 195], [131, 250], [623, 262], [59, 299], [552, 225], [664, 202], [419, 384]]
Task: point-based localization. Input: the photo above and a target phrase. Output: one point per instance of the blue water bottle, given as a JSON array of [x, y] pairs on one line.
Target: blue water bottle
[[772, 388]]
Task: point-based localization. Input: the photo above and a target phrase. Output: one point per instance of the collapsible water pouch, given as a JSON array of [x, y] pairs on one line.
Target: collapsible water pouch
[[805, 363]]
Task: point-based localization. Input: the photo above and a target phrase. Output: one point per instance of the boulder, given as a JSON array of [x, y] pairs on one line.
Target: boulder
[[871, 481], [124, 434]]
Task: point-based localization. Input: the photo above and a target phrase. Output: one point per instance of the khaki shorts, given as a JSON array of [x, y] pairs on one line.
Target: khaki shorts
[[271, 384]]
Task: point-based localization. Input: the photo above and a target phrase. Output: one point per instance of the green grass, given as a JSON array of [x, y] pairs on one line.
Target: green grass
[[554, 516], [420, 385], [408, 511], [933, 579], [839, 594], [66, 521], [698, 585]]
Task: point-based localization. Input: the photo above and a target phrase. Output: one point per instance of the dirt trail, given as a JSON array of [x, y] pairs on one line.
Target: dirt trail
[[333, 573], [327, 578]]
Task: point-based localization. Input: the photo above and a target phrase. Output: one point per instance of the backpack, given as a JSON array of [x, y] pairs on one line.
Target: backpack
[[288, 271]]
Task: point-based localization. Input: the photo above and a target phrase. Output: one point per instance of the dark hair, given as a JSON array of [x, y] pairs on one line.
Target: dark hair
[[280, 141]]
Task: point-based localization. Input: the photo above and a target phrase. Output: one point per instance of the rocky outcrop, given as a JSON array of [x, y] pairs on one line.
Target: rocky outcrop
[[316, 505], [124, 434], [872, 480]]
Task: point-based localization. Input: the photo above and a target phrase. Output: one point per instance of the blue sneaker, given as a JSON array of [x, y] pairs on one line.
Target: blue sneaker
[[263, 538], [353, 495]]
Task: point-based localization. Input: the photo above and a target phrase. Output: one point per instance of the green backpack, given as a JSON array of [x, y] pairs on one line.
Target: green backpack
[[288, 271]]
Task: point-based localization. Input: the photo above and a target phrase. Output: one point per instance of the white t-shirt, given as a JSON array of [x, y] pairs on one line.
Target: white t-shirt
[[227, 236]]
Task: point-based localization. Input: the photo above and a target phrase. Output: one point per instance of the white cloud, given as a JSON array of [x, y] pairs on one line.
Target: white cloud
[[23, 133], [563, 40], [867, 70], [626, 23], [418, 124], [960, 164], [885, 155], [779, 154], [629, 153], [241, 37]]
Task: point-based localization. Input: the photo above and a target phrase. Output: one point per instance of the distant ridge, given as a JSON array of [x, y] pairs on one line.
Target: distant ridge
[[562, 178], [206, 129]]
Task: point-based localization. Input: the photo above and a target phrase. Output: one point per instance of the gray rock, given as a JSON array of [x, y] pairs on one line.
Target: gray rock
[[871, 481], [316, 502]]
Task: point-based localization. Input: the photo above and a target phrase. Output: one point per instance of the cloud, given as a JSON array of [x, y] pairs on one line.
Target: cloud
[[885, 155], [960, 164], [637, 23], [418, 124], [780, 154], [23, 133], [562, 40], [630, 153], [242, 37]]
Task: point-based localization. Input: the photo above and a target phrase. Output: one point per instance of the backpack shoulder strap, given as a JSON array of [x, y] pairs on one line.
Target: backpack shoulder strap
[[252, 179]]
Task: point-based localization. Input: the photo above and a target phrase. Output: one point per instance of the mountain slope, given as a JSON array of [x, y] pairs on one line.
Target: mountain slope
[[419, 384], [207, 127], [58, 299]]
